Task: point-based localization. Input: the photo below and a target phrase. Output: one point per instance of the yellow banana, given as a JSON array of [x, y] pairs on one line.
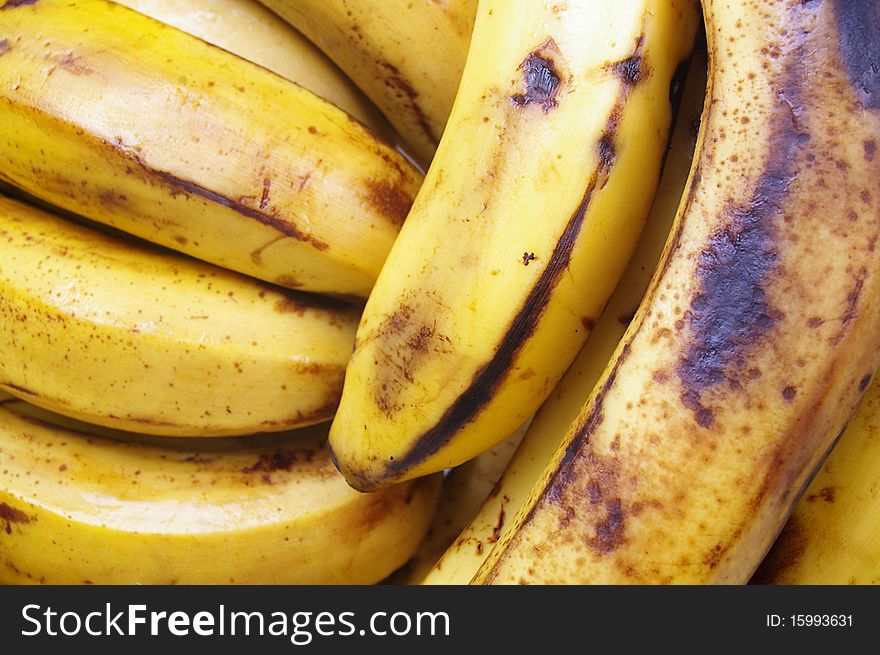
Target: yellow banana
[[757, 336], [248, 29], [118, 333], [117, 117], [471, 547], [75, 508], [525, 222], [833, 536], [465, 490], [406, 55]]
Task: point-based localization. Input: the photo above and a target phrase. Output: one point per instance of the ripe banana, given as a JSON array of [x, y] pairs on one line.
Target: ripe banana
[[757, 336], [227, 161], [248, 29], [465, 490], [118, 333], [406, 55], [833, 536], [525, 222], [75, 508], [471, 547]]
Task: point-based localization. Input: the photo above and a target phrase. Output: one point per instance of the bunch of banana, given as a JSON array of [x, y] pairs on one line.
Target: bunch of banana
[[833, 535], [728, 349], [406, 55], [77, 509], [111, 115], [566, 115], [466, 552], [223, 160], [757, 336]]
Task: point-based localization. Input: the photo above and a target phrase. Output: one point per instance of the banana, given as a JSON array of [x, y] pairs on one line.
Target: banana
[[112, 115], [757, 336], [118, 333], [75, 508], [465, 490], [833, 535], [251, 31], [471, 547], [522, 228], [407, 56]]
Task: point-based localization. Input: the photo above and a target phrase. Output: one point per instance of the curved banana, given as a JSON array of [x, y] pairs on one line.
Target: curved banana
[[75, 508], [406, 55], [114, 332], [757, 336], [117, 117], [248, 29], [472, 546], [465, 490], [525, 222], [833, 535]]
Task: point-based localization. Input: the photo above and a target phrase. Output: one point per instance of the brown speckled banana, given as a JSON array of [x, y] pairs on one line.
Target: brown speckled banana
[[115, 116], [118, 333], [833, 535], [76, 508], [758, 334], [406, 55], [248, 29], [527, 217]]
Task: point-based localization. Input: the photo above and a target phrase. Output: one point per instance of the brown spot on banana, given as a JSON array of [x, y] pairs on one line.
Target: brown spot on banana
[[12, 4], [541, 79], [825, 494], [264, 198], [633, 69], [74, 65], [411, 336], [4, 47], [12, 515], [278, 460], [397, 81], [389, 199]]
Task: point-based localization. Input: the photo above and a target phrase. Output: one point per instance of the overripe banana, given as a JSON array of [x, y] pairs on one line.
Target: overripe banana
[[116, 332], [75, 508], [833, 535], [757, 336], [248, 29], [406, 55], [471, 547], [515, 242], [465, 490], [226, 161]]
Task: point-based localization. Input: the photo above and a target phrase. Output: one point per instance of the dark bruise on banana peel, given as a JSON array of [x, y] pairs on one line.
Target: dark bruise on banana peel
[[12, 4], [730, 313], [542, 85], [858, 24]]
